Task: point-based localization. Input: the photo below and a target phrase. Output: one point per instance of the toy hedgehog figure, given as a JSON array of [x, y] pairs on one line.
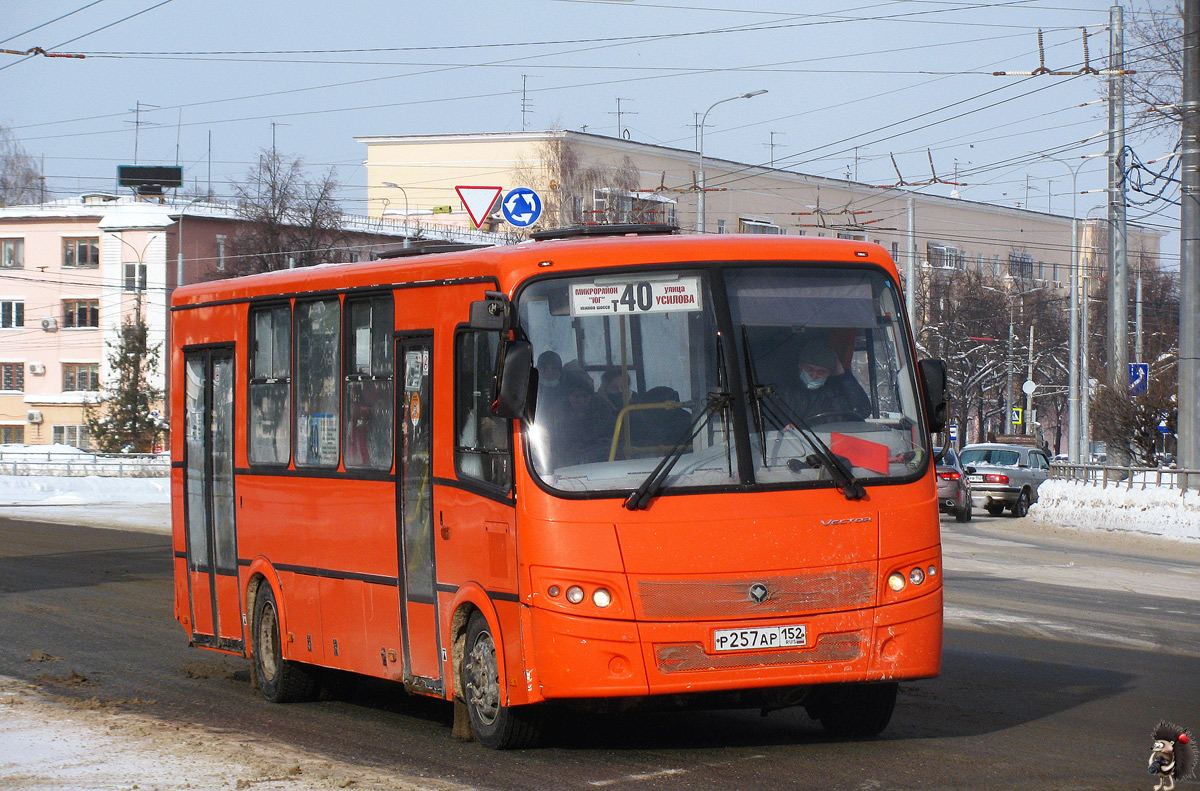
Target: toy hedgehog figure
[[1173, 755]]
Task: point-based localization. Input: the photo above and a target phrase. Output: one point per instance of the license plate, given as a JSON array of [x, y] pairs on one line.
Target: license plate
[[975, 478], [760, 637]]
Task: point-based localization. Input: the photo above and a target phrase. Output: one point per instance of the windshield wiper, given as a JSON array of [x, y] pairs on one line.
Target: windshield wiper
[[642, 495], [822, 456], [756, 392]]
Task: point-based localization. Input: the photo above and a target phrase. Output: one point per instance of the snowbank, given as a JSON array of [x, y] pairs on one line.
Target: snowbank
[[1150, 511], [51, 490]]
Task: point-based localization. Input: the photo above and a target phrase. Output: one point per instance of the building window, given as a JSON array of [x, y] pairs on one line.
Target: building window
[[721, 226], [220, 252], [12, 313], [895, 251], [12, 253], [12, 377], [135, 276], [75, 436], [12, 435], [81, 377], [81, 313], [83, 252], [270, 385]]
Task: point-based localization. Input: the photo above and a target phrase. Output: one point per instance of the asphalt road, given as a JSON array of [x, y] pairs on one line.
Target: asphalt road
[[1062, 652]]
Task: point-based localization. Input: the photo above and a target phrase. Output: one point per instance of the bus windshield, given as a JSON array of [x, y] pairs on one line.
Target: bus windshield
[[735, 376]]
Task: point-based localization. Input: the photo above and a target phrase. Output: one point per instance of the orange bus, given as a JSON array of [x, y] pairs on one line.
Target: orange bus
[[609, 463]]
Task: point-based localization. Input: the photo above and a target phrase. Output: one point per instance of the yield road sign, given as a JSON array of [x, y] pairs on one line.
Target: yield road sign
[[1139, 378], [522, 207], [478, 202]]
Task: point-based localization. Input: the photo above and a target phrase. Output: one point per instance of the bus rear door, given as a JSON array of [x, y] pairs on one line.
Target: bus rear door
[[216, 613]]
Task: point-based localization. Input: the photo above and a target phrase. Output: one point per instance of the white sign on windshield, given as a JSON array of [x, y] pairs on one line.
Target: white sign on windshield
[[635, 296]]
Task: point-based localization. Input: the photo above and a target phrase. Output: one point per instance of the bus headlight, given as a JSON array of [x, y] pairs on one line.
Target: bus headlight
[[896, 582], [574, 594], [601, 598], [916, 576]]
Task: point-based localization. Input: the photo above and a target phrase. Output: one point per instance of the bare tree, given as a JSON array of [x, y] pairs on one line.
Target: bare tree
[[290, 220], [1154, 50], [20, 176]]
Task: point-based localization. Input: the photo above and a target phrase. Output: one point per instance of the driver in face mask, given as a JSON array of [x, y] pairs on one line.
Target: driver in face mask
[[826, 388]]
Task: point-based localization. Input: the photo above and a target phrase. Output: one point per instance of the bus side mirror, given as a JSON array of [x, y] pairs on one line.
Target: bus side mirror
[[933, 377], [517, 379], [489, 314]]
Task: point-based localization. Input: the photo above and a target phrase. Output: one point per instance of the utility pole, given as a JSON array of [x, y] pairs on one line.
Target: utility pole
[[1188, 398], [1137, 322], [1118, 260], [1029, 393], [1085, 383]]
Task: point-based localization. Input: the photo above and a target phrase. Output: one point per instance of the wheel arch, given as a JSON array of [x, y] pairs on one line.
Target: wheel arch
[[471, 598]]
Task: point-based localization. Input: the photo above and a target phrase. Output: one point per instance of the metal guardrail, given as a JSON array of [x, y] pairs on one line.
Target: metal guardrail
[[1143, 477], [123, 465]]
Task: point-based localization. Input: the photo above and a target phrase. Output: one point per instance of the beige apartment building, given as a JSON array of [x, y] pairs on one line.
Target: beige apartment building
[[588, 178]]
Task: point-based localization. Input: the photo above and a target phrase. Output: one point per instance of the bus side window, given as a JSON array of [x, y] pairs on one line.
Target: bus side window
[[367, 387], [482, 442], [270, 385], [317, 327]]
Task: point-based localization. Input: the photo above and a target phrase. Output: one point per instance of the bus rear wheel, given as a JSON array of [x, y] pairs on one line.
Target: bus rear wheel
[[855, 710], [495, 725], [282, 681]]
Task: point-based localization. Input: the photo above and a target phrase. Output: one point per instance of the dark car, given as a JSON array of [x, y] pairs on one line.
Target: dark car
[[1005, 476], [953, 486]]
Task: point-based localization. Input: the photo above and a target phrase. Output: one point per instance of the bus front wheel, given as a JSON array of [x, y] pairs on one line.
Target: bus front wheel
[[282, 681], [495, 725], [855, 710]]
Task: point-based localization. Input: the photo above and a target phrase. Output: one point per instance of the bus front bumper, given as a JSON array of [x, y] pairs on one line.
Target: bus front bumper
[[594, 658]]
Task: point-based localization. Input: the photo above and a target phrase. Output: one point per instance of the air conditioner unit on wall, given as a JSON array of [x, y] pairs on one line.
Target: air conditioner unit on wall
[[37, 369], [49, 324], [34, 416]]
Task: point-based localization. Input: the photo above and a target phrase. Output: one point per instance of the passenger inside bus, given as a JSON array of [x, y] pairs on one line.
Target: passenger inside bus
[[824, 390], [664, 424], [614, 388], [582, 431]]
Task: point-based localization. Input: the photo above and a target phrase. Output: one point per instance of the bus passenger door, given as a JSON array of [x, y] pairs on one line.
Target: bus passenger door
[[414, 502], [213, 588]]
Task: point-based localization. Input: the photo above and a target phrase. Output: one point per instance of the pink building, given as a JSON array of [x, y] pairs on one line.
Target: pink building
[[70, 271]]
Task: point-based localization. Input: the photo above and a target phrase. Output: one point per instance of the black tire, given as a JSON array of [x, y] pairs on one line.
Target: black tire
[[965, 513], [995, 509], [855, 711], [281, 680], [495, 725], [1021, 506]]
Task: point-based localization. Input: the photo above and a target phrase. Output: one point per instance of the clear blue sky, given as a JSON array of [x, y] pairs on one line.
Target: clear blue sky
[[870, 78]]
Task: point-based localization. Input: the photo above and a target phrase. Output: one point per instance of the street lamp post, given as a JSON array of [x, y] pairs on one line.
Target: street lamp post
[[1073, 383], [394, 185], [700, 179]]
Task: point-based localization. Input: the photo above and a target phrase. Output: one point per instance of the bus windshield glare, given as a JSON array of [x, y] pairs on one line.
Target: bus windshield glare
[[738, 376]]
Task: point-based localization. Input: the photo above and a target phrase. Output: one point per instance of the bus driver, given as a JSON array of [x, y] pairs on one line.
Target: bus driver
[[825, 387]]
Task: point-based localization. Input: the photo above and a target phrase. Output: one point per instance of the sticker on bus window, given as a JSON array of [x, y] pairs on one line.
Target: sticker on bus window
[[412, 371], [635, 296]]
